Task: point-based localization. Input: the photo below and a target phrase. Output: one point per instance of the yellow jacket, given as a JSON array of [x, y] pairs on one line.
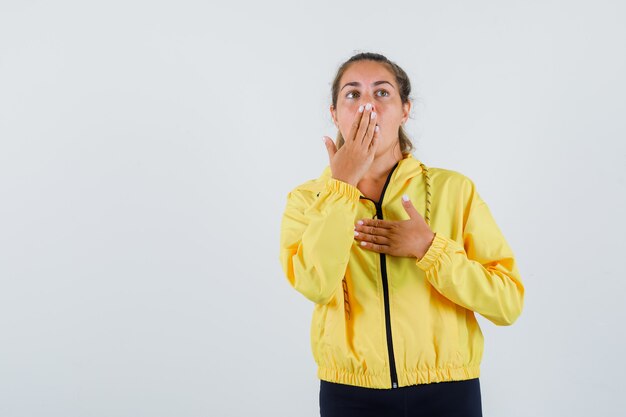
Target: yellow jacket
[[383, 321]]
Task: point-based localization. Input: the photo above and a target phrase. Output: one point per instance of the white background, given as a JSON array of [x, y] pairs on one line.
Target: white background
[[147, 148]]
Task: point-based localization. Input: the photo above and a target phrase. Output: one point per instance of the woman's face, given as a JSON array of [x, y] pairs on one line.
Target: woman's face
[[371, 82]]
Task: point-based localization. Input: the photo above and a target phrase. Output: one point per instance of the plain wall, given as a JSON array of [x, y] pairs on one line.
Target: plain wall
[[147, 149]]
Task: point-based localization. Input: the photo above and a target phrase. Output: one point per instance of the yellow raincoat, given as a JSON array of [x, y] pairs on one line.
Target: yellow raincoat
[[382, 321]]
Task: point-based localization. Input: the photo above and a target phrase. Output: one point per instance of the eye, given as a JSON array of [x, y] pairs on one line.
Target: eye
[[354, 93]]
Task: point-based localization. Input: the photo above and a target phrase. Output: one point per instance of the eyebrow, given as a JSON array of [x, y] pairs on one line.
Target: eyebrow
[[374, 84]]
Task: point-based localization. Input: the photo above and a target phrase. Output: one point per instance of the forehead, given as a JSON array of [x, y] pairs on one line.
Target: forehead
[[367, 72]]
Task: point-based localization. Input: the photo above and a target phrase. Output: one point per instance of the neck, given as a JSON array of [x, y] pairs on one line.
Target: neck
[[382, 165]]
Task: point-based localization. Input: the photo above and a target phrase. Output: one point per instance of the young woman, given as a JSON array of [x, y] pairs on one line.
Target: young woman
[[396, 257]]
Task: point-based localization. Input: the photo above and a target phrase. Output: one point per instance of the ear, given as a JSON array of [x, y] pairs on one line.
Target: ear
[[406, 111], [333, 114]]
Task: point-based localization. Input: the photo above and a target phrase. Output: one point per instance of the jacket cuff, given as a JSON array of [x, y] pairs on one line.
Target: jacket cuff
[[436, 249], [337, 186]]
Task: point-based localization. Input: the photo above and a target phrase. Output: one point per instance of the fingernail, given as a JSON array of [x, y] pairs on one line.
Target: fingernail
[[373, 115], [362, 243], [360, 222], [377, 128], [405, 197], [356, 233], [361, 109], [368, 106]]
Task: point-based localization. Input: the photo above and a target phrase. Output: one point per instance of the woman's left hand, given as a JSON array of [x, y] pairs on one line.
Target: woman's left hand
[[398, 238]]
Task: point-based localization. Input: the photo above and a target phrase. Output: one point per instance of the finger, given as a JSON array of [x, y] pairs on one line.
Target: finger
[[371, 128], [372, 230], [355, 124], [373, 238], [375, 247], [365, 121], [331, 148], [383, 224], [384, 232], [375, 140], [409, 208]]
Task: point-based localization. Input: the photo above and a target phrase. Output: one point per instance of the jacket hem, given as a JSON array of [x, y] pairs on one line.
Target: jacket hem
[[405, 378], [434, 375]]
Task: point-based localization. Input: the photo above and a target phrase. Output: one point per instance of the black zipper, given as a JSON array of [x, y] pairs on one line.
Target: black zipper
[[383, 270]]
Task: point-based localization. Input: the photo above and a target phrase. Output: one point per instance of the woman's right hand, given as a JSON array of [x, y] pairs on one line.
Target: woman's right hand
[[351, 162]]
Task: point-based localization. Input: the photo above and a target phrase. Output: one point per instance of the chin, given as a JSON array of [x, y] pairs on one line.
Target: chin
[[380, 152], [383, 148]]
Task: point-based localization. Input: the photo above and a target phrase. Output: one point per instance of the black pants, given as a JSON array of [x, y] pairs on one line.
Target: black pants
[[441, 399]]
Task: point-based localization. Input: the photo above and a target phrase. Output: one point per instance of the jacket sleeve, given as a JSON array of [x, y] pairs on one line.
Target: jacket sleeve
[[481, 274], [316, 238]]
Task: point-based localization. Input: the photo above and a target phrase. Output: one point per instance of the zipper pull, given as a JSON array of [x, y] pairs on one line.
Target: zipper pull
[[395, 385]]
